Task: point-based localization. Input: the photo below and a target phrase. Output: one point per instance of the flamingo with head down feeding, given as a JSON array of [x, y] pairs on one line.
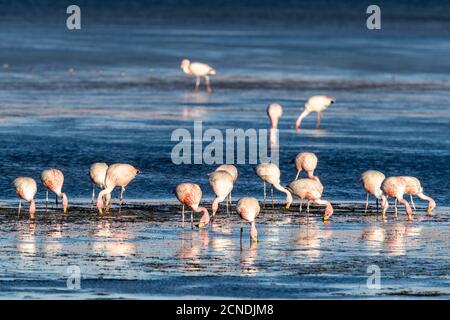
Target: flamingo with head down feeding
[[248, 209], [306, 161], [97, 173], [270, 173], [222, 184], [117, 175], [394, 187], [314, 104], [198, 70], [231, 169], [26, 189], [414, 187], [311, 190], [190, 194], [372, 180], [53, 180]]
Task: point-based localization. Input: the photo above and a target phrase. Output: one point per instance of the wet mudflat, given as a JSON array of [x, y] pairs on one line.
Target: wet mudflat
[[143, 252]]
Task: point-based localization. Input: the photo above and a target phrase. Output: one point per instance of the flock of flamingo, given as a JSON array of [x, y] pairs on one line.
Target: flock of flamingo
[[223, 179]]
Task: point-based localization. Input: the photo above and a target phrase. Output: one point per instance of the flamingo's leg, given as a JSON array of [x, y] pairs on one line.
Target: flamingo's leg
[[46, 199], [300, 207], [264, 199], [307, 207], [228, 212], [93, 192], [412, 202], [122, 190], [56, 200], [319, 114], [377, 205], [197, 83], [271, 193], [367, 203], [395, 206], [20, 206], [192, 220], [182, 217], [208, 85]]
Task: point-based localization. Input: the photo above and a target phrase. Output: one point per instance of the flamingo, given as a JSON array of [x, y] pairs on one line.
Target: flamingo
[[306, 161], [190, 194], [413, 187], [311, 190], [231, 169], [198, 70], [97, 173], [118, 174], [394, 187], [222, 183], [274, 112], [372, 180], [270, 173], [315, 104], [248, 209], [26, 189], [53, 180]]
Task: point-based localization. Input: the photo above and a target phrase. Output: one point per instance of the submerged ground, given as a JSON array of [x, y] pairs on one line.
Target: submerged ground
[[143, 252]]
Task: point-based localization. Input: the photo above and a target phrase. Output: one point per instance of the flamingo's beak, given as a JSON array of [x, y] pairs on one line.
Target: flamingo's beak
[[326, 217], [66, 210], [255, 240], [201, 225], [430, 210], [287, 205], [100, 212]]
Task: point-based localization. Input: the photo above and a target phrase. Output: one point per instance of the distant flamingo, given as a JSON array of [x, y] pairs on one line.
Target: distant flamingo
[[306, 161], [274, 112], [53, 180], [413, 187], [315, 104], [97, 173], [222, 183], [270, 173], [394, 187], [190, 194], [117, 175], [231, 169], [248, 209], [198, 70], [311, 190], [26, 189], [372, 180]]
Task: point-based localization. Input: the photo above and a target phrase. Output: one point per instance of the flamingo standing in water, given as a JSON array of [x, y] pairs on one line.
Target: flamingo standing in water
[[97, 173], [222, 183], [311, 190], [117, 175], [231, 169], [274, 112], [26, 189], [306, 161], [248, 209], [414, 187], [198, 70], [372, 180], [53, 180], [394, 187], [190, 194], [270, 173], [315, 104]]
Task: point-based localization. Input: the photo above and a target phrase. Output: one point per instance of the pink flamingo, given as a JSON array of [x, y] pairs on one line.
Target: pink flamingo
[[306, 161], [248, 209], [97, 173], [117, 175], [274, 112], [372, 180], [270, 173], [311, 190], [231, 169], [222, 184], [190, 194], [394, 187], [53, 180], [26, 189], [414, 187], [198, 70], [315, 104]]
